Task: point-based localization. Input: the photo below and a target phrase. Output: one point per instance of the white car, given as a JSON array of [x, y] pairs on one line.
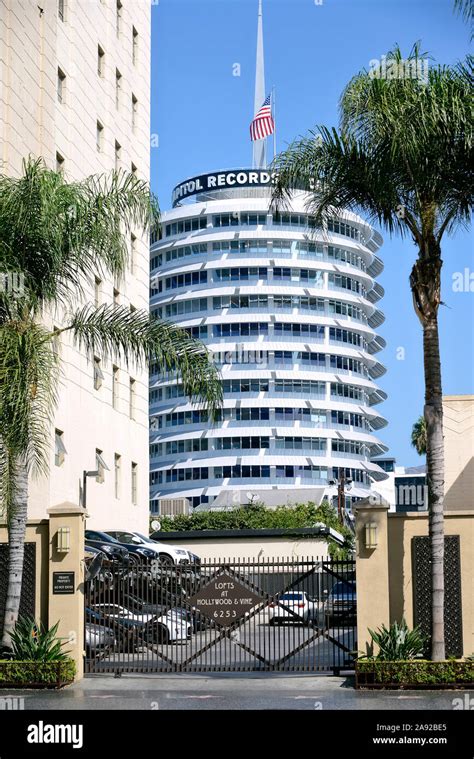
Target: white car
[[169, 628], [165, 553], [293, 607]]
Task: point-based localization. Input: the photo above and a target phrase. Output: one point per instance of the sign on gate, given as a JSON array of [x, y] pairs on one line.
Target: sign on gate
[[225, 599]]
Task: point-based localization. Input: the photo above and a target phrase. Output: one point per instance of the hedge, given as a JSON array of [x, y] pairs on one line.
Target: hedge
[[32, 674], [416, 673], [257, 516]]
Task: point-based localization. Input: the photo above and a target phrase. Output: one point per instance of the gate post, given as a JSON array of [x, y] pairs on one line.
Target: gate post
[[373, 607], [66, 577]]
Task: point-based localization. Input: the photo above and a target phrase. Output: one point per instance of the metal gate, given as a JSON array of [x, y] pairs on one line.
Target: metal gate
[[241, 615]]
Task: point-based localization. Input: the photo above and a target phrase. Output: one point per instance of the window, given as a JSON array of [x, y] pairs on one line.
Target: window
[[133, 169], [98, 375], [59, 163], [118, 18], [62, 10], [134, 45], [115, 386], [118, 85], [99, 136], [131, 410], [116, 297], [134, 112], [118, 153], [59, 448], [97, 291], [134, 473], [117, 468], [100, 61], [100, 465], [61, 88], [133, 253]]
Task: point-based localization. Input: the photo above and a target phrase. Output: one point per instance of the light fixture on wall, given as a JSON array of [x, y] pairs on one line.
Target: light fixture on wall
[[63, 540], [370, 535]]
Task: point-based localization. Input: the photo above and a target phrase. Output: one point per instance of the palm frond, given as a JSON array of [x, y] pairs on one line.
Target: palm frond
[[58, 233], [114, 332]]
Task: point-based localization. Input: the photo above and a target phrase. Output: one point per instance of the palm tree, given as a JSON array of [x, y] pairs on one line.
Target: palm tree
[[418, 436], [401, 157], [57, 235]]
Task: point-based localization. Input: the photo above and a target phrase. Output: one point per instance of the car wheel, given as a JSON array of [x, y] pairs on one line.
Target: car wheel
[[271, 622], [162, 634], [166, 560]]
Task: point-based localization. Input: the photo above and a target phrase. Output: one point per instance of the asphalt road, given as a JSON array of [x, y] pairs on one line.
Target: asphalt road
[[232, 691]]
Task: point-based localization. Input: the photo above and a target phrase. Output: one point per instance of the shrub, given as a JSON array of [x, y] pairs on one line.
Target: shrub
[[256, 516], [30, 641], [50, 673], [419, 672], [398, 643]]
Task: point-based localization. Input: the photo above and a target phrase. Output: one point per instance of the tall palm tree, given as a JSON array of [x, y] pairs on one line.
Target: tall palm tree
[[57, 235], [402, 157], [418, 436]]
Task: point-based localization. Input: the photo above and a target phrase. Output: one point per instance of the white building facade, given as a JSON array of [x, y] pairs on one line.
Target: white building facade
[[289, 313], [75, 90]]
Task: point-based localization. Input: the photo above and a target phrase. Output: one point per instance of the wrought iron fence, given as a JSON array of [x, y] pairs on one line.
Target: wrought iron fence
[[276, 614]]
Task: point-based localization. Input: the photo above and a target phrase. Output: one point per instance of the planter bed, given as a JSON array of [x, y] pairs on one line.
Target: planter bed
[[415, 675], [31, 674]]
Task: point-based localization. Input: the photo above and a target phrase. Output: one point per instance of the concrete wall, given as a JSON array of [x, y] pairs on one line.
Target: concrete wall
[[401, 529], [33, 45], [253, 548]]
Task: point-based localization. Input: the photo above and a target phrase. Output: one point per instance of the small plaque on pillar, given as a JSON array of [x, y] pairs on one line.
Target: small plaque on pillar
[[63, 583]]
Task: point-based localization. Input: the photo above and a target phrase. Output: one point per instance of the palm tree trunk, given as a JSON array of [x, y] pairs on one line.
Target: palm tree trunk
[[433, 412], [425, 281], [16, 542]]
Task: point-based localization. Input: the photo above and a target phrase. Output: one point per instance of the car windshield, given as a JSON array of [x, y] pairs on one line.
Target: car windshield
[[292, 597], [142, 537]]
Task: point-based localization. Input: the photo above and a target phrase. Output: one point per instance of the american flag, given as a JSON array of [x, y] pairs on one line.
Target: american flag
[[263, 124]]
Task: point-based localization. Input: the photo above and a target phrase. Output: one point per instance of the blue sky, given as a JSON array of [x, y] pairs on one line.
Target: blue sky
[[201, 114]]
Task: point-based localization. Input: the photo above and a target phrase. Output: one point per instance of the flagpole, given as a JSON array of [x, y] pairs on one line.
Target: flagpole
[[274, 122]]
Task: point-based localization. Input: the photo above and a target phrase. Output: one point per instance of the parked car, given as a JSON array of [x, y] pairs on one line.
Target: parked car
[[136, 542], [341, 603], [304, 608], [108, 545], [98, 639], [168, 628]]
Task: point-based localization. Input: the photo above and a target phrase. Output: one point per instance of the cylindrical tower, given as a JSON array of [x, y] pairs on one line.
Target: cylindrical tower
[[289, 312]]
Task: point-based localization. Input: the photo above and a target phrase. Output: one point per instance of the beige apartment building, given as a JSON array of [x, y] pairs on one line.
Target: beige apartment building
[[75, 89]]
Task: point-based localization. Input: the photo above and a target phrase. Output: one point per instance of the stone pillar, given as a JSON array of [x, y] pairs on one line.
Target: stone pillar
[[66, 578], [373, 607]]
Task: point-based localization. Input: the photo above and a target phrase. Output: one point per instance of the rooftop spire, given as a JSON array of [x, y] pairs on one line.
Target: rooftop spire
[[259, 151]]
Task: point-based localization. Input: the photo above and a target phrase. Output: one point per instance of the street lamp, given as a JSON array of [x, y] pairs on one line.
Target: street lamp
[[343, 484], [101, 467]]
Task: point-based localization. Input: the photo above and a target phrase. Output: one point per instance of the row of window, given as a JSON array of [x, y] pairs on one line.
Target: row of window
[[101, 467], [256, 471], [246, 414], [99, 379], [243, 443], [264, 248], [288, 386], [270, 302], [246, 273], [244, 218], [186, 225]]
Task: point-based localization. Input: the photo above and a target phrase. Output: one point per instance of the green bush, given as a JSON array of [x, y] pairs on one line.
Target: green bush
[[30, 641], [398, 643], [257, 517], [36, 673], [414, 672]]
